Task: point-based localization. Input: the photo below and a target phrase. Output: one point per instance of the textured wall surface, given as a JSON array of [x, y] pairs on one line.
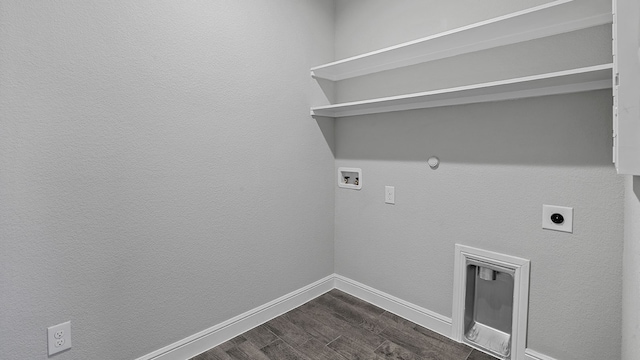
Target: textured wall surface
[[500, 163], [631, 285], [160, 172], [405, 20], [554, 53]]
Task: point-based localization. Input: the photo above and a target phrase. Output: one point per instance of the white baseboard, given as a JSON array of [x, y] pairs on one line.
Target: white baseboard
[[216, 335], [419, 315], [533, 355]]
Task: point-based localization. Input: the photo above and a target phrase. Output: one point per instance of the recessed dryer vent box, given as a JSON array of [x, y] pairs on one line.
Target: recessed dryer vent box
[[350, 178]]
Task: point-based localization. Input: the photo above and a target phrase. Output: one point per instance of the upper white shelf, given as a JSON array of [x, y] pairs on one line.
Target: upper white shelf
[[545, 20], [562, 82]]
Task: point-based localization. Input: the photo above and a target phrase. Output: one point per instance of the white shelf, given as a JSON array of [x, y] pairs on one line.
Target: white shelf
[[545, 20], [562, 82]]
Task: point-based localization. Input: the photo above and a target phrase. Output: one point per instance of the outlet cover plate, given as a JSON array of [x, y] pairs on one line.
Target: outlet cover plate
[[59, 337], [390, 194], [566, 212]]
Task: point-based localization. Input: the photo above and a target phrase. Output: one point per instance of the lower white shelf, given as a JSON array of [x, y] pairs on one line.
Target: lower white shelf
[[561, 82]]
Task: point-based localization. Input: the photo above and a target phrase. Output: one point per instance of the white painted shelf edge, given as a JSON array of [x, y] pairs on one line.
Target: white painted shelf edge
[[545, 20], [561, 82]]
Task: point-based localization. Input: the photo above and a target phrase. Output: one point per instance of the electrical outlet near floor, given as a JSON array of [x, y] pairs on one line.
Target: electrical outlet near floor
[[59, 337]]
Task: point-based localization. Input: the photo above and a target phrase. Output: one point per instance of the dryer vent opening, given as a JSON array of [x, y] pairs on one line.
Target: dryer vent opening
[[488, 313], [491, 301]]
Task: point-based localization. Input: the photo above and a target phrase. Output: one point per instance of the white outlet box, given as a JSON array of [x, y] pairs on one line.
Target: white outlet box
[[565, 212], [350, 178], [59, 337]]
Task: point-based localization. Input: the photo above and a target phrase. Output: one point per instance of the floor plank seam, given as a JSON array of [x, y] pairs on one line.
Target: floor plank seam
[[274, 340], [385, 340], [333, 340], [469, 354]]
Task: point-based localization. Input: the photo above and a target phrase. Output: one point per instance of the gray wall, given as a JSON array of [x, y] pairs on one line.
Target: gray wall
[[631, 293], [160, 172], [500, 163]]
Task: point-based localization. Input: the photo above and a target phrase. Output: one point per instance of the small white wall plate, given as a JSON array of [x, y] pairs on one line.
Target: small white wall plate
[[567, 214], [59, 338], [350, 178]]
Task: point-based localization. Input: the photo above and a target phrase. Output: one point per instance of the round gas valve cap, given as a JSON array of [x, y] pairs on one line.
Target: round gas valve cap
[[433, 162], [557, 218]]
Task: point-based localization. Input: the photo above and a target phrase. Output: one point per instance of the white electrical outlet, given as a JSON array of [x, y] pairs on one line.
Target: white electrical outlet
[[559, 218], [389, 194], [59, 337]]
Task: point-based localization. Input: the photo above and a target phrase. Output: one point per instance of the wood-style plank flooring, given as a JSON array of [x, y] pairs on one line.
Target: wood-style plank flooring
[[338, 326]]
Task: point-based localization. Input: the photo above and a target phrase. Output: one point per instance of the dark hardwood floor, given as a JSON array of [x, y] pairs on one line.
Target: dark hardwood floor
[[338, 326]]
